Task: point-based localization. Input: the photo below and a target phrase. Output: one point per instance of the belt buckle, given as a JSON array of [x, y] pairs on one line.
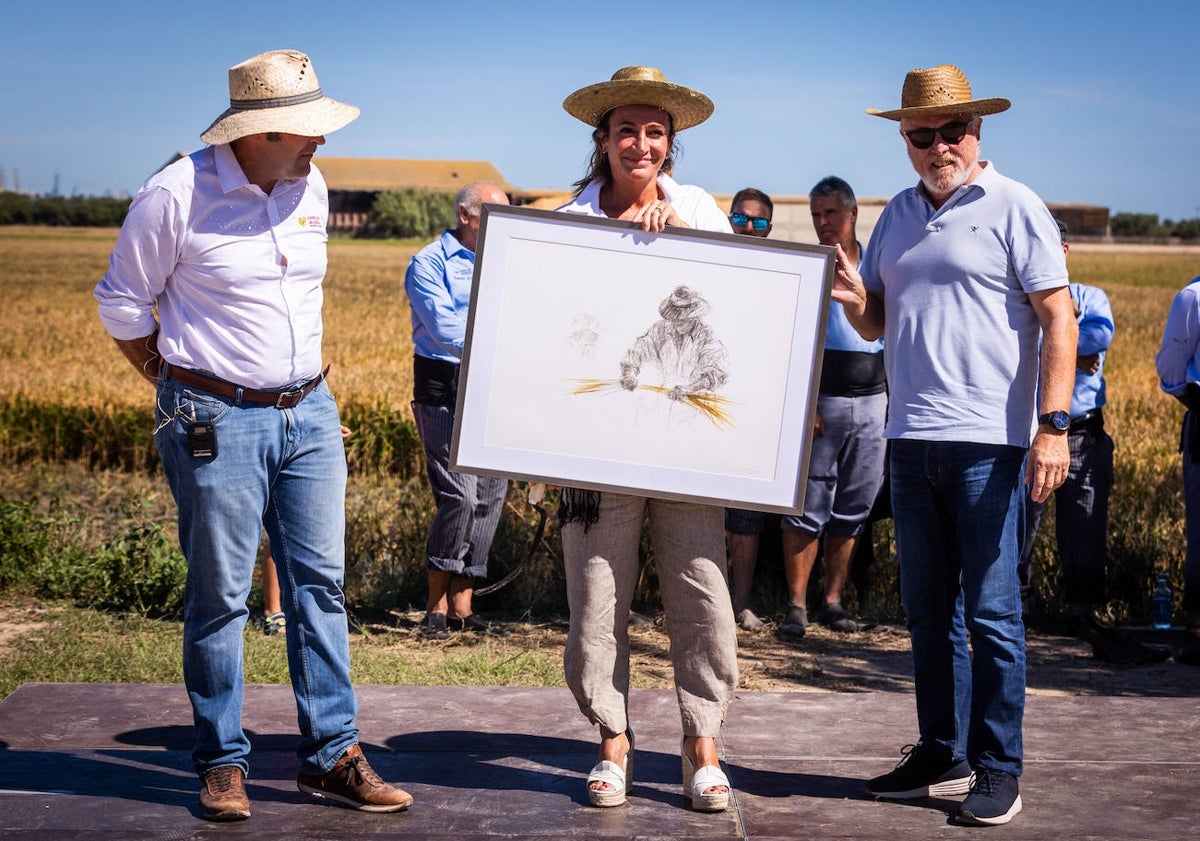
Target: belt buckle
[[284, 396]]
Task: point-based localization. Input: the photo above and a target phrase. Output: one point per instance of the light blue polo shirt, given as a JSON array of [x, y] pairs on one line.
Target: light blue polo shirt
[[961, 336]]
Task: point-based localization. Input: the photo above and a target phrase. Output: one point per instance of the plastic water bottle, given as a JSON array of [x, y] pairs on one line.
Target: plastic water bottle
[[1162, 603]]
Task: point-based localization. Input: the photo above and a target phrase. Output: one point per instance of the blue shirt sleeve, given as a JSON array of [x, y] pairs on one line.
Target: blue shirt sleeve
[[439, 324], [1181, 337], [1095, 321]]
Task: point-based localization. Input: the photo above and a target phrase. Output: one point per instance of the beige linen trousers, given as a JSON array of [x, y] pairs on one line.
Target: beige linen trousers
[[602, 570]]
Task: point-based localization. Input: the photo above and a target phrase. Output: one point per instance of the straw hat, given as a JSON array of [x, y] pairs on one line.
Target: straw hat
[[639, 85], [277, 91], [940, 90]]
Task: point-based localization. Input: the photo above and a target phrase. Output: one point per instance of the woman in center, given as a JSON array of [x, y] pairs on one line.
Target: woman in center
[[635, 117]]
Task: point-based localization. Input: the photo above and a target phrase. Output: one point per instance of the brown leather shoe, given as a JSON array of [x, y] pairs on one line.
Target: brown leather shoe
[[352, 782], [223, 794]]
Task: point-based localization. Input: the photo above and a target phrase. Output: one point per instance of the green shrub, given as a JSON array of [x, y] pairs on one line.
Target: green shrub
[[51, 554], [25, 538], [141, 571], [410, 213]]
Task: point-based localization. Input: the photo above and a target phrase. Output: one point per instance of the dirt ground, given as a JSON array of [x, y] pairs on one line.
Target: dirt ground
[[873, 660]]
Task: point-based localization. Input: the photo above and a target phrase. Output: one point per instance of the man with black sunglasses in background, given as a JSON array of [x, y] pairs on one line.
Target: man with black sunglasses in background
[[750, 213], [963, 274]]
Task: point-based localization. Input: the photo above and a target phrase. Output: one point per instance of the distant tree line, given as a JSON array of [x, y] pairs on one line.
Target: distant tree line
[[1147, 225], [76, 211], [407, 214]]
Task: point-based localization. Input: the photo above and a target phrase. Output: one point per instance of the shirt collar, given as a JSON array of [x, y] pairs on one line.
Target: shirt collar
[[230, 173], [451, 246], [589, 197]]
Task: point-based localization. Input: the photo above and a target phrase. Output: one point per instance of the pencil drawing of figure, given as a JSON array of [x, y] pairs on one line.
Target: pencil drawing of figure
[[689, 357], [584, 335]]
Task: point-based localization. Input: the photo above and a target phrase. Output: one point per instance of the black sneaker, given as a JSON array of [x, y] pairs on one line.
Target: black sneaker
[[993, 799], [795, 624], [835, 617], [433, 627], [924, 771]]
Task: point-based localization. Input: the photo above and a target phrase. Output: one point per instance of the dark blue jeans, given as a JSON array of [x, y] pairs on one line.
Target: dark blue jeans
[[959, 511]]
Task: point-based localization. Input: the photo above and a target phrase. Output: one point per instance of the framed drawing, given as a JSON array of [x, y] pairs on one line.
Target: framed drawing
[[683, 365]]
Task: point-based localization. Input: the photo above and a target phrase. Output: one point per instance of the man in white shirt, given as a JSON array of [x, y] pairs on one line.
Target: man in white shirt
[[228, 247]]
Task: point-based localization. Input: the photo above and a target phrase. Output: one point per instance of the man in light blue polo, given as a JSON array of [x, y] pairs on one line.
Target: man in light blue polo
[[964, 273]]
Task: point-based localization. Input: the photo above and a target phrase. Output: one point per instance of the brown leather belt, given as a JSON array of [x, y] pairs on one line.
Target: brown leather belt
[[279, 399]]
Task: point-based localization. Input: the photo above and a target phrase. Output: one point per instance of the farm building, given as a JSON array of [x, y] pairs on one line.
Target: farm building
[[354, 182]]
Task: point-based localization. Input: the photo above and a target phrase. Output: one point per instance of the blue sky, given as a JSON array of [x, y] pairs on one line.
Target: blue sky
[[1106, 104]]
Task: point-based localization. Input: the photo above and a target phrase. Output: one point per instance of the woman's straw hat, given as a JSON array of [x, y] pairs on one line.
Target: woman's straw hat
[[639, 85], [277, 91], [940, 90]]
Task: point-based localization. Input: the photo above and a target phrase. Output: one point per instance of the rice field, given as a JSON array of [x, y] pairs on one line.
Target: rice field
[[59, 365]]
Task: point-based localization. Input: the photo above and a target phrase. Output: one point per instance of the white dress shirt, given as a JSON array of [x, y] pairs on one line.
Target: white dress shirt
[[235, 274]]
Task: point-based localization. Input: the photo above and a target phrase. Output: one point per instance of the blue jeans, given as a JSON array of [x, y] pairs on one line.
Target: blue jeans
[[284, 469], [959, 519]]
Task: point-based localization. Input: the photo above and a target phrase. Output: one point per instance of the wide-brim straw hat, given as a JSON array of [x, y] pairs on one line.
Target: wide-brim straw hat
[[640, 85], [277, 91], [940, 90]]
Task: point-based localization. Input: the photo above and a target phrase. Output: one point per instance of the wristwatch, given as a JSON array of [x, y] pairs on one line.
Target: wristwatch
[[1061, 421]]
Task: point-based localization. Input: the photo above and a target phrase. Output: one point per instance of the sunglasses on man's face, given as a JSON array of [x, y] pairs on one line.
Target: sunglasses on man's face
[[922, 138], [739, 220]]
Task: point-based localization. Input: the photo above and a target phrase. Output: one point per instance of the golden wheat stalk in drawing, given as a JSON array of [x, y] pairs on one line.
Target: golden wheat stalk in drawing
[[712, 406]]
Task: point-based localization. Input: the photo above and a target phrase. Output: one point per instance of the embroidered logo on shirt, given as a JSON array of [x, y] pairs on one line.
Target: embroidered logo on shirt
[[310, 221]]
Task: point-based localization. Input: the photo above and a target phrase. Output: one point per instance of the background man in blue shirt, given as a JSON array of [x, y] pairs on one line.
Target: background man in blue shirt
[[1178, 363], [845, 470], [1081, 502], [438, 283]]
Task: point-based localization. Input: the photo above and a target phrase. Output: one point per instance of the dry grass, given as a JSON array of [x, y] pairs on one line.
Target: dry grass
[[57, 353]]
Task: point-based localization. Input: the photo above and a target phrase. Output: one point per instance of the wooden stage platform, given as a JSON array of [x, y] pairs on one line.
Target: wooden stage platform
[[112, 761]]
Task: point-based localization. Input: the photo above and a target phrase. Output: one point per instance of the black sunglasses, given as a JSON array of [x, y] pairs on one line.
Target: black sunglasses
[[922, 138], [739, 220]]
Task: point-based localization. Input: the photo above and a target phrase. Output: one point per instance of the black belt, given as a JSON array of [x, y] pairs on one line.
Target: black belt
[[1088, 420], [285, 399]]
